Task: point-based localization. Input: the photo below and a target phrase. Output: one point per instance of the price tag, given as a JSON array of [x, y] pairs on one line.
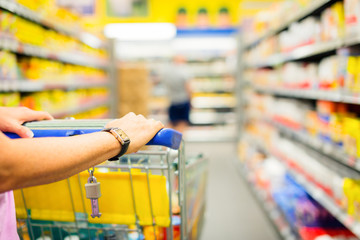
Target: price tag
[[317, 194], [5, 44], [20, 48], [6, 85], [349, 221], [274, 214], [317, 143], [357, 165], [343, 217], [327, 148], [352, 161], [12, 85]]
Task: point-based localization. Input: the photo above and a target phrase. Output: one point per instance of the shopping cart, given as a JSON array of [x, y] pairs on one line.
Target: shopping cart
[[152, 194]]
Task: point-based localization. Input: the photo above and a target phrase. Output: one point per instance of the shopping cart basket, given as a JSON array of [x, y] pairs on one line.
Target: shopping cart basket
[[152, 194]]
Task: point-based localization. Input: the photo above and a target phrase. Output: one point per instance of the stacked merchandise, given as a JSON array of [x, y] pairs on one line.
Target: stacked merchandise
[[212, 89], [46, 66], [213, 100], [133, 89], [216, 91], [21, 33], [307, 219], [308, 38], [334, 126], [302, 109]]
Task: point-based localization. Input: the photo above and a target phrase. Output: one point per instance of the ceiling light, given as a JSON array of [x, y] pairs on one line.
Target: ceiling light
[[140, 31]]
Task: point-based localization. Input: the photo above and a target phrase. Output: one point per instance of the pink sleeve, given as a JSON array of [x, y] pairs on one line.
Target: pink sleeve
[[7, 216]]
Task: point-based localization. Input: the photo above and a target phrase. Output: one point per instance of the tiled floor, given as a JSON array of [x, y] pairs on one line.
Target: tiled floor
[[232, 212]]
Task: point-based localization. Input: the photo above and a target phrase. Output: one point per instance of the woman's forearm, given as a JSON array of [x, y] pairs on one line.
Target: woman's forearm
[[29, 162]]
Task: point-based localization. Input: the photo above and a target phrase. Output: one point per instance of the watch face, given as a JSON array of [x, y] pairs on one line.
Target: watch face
[[123, 136]]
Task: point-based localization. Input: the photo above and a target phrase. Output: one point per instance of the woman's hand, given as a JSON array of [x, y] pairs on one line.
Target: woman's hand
[[12, 118], [139, 129]]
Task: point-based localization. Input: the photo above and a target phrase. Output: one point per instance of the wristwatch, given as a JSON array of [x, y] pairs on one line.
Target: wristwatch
[[123, 139]]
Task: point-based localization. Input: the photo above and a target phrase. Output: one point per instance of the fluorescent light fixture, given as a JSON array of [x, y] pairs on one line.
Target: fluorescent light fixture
[[140, 31]]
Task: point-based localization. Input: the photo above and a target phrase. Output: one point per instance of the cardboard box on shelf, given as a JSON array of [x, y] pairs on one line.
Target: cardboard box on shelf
[[133, 89]]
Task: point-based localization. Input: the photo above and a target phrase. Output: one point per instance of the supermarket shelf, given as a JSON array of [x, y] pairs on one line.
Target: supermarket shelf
[[273, 212], [216, 102], [327, 149], [209, 118], [303, 53], [206, 122], [35, 51], [204, 59], [209, 74], [321, 197], [226, 133], [313, 7], [26, 13], [213, 90], [306, 94], [31, 86], [352, 99], [212, 106], [333, 96], [84, 108], [352, 40]]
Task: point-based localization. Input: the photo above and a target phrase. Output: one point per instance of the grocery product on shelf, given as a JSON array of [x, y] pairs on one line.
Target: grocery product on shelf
[[49, 10], [329, 27], [301, 107], [328, 122], [36, 69], [133, 89], [8, 66], [212, 84], [213, 100], [307, 218], [352, 13], [209, 68], [17, 30], [96, 113], [16, 69], [56, 101], [337, 73], [45, 64], [325, 179], [9, 99]]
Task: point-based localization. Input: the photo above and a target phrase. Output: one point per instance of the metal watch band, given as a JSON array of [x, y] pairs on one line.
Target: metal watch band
[[123, 140]]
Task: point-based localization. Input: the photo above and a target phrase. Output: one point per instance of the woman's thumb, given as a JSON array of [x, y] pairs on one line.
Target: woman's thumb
[[24, 132]]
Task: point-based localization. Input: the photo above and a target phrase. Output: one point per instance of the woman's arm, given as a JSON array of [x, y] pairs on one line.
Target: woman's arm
[[29, 162]]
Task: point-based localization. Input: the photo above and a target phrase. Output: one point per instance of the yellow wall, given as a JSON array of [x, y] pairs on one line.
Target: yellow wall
[[165, 11]]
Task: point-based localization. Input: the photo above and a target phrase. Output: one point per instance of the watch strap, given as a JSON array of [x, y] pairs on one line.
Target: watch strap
[[124, 148], [123, 139]]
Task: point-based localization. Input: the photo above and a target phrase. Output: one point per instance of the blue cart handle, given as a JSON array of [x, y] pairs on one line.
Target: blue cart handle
[[165, 137]]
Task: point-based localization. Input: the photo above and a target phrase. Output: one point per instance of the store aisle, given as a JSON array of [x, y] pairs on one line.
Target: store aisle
[[232, 212]]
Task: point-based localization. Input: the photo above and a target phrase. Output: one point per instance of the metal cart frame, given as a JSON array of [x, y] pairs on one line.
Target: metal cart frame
[[154, 160]]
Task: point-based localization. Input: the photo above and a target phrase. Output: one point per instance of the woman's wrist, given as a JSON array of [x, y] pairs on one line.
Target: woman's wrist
[[113, 145]]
